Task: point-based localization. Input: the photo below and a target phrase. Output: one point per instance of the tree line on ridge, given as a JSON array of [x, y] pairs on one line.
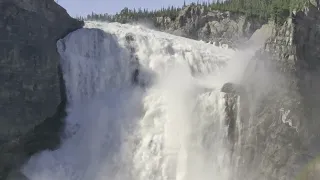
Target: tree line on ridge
[[276, 9]]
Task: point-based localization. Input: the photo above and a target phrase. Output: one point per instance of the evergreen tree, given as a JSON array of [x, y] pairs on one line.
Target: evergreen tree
[[276, 9]]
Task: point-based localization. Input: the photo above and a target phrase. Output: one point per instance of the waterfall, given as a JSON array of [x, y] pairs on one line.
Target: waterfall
[[142, 105]]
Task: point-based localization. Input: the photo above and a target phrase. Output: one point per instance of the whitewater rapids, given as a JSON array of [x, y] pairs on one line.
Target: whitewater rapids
[[165, 122]]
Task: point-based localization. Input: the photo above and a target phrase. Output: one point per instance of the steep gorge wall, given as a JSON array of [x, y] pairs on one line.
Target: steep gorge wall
[[282, 128], [31, 93]]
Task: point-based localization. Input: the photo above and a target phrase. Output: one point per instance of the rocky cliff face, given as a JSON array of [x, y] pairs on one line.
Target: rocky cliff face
[[198, 23], [280, 131], [31, 92]]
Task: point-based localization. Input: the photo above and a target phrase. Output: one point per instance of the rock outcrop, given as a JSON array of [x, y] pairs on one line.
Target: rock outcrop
[[196, 22], [282, 128], [32, 95]]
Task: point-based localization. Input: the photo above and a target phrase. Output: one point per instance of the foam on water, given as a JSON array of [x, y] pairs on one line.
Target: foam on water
[[170, 128]]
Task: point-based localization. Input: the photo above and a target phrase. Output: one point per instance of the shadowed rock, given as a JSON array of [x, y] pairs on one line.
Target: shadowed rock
[[16, 175], [233, 88], [32, 96]]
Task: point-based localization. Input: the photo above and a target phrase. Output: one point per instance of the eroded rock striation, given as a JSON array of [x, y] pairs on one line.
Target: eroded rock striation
[[32, 95]]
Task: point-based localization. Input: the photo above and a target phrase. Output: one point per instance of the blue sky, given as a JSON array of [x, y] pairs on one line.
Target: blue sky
[[84, 7]]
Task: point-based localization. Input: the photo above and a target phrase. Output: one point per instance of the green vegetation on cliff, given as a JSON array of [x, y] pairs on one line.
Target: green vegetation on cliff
[[275, 9], [129, 15]]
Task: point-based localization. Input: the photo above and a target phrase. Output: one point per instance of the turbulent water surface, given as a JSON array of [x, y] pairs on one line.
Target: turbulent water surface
[[143, 105]]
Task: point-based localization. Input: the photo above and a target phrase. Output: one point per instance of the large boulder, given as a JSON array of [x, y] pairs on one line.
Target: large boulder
[[32, 95]]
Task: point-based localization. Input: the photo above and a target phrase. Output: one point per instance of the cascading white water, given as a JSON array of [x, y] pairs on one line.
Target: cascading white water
[[171, 128]]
